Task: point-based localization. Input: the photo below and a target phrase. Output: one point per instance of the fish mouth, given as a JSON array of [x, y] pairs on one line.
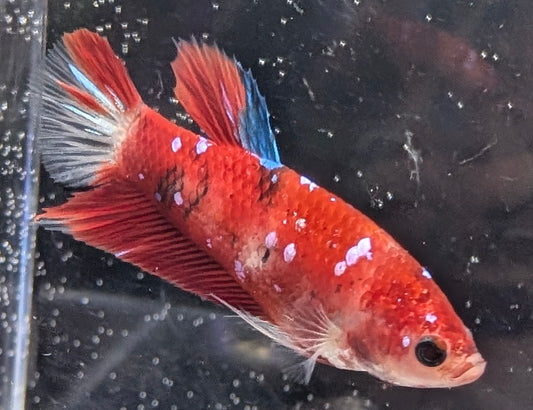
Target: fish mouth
[[471, 371]]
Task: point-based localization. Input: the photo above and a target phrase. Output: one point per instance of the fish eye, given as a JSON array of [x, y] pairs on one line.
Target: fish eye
[[428, 353]]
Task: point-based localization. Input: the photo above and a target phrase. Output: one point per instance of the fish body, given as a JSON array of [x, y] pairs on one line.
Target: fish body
[[220, 216]]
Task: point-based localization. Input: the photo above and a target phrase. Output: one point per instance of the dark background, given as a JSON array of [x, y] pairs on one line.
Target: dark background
[[438, 153]]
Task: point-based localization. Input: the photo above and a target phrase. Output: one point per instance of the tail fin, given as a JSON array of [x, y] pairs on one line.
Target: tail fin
[[89, 103]]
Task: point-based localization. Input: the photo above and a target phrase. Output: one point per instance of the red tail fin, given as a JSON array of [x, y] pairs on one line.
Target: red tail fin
[[94, 56], [89, 104]]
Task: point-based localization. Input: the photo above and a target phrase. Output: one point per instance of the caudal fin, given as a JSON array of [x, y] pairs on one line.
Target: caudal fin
[[89, 102]]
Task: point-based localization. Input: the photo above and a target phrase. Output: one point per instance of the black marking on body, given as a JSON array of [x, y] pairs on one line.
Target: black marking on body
[[266, 185], [266, 255], [199, 192], [170, 183]]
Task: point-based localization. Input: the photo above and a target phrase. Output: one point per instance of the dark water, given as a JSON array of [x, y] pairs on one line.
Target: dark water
[[367, 101]]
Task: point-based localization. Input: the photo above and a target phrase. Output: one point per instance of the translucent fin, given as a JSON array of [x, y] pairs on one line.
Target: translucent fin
[[224, 100], [317, 337], [302, 372], [309, 332], [266, 328], [121, 221], [89, 102]]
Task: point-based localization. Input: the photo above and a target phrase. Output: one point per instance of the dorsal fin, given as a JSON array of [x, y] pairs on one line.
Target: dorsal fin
[[224, 100], [122, 221]]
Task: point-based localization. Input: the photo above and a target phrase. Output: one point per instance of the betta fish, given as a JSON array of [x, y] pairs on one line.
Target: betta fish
[[218, 215]]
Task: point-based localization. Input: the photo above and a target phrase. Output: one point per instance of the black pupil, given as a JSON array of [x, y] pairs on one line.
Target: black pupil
[[429, 354]]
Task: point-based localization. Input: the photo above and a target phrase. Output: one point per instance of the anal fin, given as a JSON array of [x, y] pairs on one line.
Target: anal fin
[[119, 220]]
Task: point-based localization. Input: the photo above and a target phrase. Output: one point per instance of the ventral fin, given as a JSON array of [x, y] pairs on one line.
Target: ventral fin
[[118, 219], [224, 100]]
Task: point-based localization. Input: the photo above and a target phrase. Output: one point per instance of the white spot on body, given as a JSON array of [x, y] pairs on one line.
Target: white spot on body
[[340, 267], [425, 273], [361, 250], [332, 199], [176, 144], [274, 178], [202, 145], [208, 243], [406, 341], [431, 318], [178, 199], [307, 181], [300, 224], [271, 240], [277, 288], [289, 252], [157, 197], [141, 176], [239, 270]]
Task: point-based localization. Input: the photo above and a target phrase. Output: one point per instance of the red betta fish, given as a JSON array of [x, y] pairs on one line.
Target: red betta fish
[[221, 217]]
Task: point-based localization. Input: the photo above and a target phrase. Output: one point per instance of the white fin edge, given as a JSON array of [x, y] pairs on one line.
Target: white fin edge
[[54, 225], [75, 140]]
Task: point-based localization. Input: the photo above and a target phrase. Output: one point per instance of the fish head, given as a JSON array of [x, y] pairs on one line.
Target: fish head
[[409, 334], [414, 356], [431, 360]]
